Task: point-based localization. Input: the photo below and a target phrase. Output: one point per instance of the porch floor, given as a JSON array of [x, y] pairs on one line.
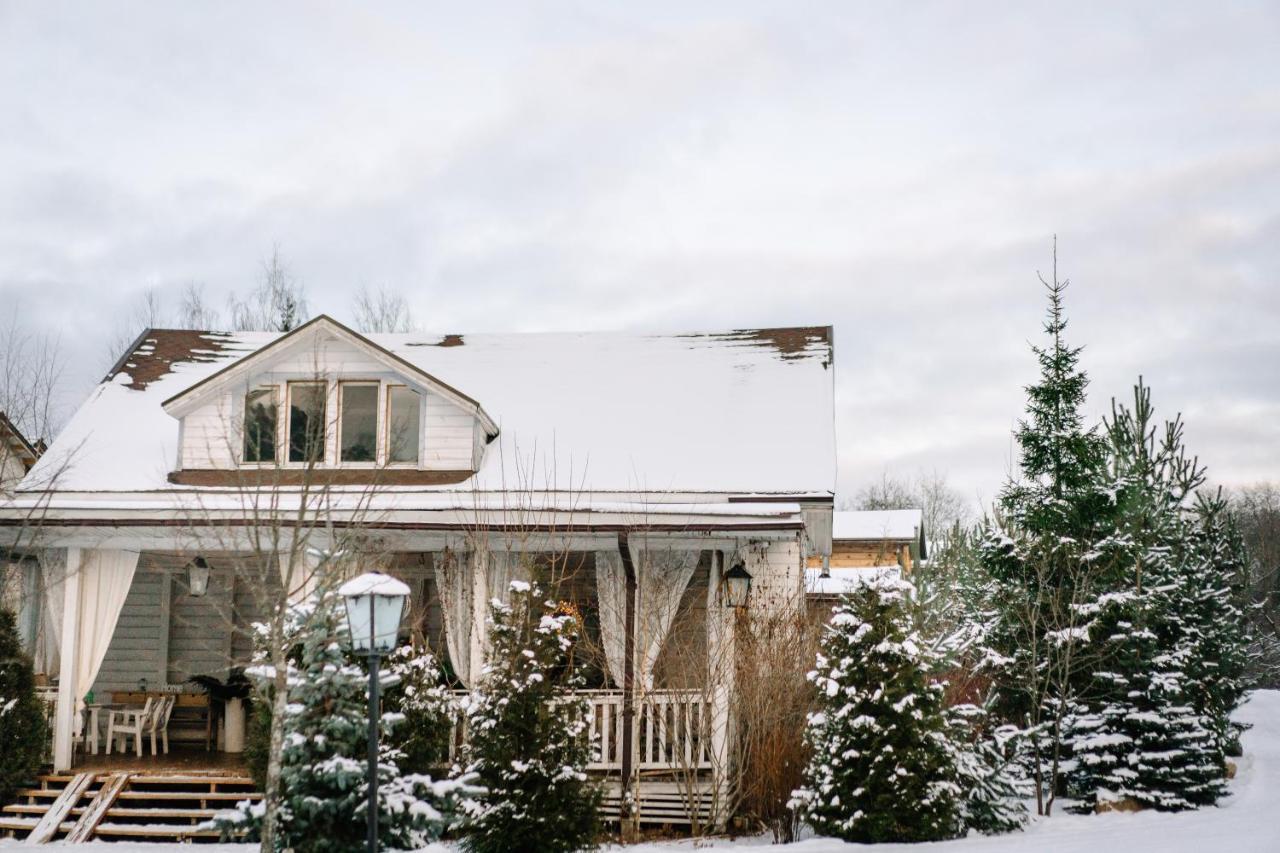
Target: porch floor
[[179, 760]]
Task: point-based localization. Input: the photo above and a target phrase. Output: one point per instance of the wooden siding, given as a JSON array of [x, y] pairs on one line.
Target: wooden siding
[[856, 554], [211, 435]]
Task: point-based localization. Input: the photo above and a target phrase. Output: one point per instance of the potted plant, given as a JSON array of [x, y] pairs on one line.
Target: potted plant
[[229, 696]]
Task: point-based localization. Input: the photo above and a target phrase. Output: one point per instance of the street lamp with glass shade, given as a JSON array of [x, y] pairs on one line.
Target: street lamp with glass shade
[[737, 585], [198, 577], [375, 605]]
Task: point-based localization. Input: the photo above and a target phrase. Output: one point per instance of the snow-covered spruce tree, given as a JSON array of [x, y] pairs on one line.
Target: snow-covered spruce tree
[[994, 787], [22, 728], [419, 694], [528, 734], [1048, 554], [324, 768], [1155, 727], [883, 760]]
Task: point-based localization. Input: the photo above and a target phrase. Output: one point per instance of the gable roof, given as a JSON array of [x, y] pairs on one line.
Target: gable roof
[[740, 412], [879, 525], [184, 400]]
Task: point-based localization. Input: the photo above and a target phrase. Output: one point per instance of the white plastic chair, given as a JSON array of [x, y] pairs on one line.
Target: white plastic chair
[[159, 723], [130, 721]]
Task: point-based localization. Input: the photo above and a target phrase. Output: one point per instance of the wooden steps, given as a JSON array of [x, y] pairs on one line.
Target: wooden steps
[[123, 805]]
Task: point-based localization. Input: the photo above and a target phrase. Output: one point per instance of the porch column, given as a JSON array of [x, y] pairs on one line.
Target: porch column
[[721, 667], [64, 717], [478, 565]]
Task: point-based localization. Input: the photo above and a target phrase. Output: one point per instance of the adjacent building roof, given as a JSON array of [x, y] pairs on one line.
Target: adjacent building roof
[[877, 525], [740, 412], [17, 444]]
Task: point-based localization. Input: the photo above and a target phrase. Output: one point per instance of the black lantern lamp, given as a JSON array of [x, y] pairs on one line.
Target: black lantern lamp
[[198, 577], [737, 584]]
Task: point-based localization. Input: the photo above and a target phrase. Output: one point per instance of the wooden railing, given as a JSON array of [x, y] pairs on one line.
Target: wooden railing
[[672, 730]]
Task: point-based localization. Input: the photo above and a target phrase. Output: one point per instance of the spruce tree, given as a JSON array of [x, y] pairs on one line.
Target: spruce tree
[[528, 744], [23, 733], [324, 770], [418, 693], [883, 763]]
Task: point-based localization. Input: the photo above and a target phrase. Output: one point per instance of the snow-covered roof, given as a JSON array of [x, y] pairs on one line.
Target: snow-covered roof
[[842, 580], [740, 412], [877, 525]]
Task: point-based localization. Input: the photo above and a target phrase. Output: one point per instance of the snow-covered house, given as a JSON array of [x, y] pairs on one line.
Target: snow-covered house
[[642, 468]]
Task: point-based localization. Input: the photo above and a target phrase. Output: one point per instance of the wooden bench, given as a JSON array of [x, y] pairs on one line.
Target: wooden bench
[[192, 718]]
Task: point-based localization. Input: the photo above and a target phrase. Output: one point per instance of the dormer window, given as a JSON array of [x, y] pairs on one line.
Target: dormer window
[[358, 408], [306, 421], [260, 408], [403, 424]]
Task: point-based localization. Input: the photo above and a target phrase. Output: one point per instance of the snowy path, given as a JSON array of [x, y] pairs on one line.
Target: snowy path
[[1247, 822]]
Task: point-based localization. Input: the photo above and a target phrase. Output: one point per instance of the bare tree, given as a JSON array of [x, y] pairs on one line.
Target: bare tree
[[31, 366], [277, 303], [928, 491], [194, 312], [381, 311], [146, 312]]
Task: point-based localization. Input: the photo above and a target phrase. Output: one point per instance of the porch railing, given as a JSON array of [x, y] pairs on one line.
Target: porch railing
[[672, 730]]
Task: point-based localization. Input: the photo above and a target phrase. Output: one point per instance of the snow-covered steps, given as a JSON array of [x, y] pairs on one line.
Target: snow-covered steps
[[124, 805]]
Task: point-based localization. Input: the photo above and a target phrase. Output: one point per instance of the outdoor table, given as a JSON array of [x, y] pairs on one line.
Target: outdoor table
[[92, 727]]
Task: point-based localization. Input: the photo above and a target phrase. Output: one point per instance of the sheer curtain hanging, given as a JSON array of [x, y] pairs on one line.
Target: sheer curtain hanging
[[662, 574], [53, 570], [454, 581], [611, 589], [105, 578], [501, 568]]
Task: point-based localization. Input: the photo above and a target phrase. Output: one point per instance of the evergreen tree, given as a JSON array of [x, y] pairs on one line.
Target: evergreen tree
[[883, 764], [993, 786], [418, 693], [23, 733], [528, 734], [324, 763]]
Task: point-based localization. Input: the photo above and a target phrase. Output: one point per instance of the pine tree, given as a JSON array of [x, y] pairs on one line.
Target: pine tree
[[528, 734], [23, 733], [324, 763], [993, 786], [883, 765]]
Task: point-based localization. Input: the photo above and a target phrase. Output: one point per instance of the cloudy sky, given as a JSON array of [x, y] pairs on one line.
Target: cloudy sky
[[895, 170]]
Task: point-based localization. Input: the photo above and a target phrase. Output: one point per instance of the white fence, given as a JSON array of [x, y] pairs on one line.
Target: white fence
[[672, 730]]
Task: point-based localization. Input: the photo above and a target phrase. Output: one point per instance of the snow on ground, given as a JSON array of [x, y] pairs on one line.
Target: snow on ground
[[1248, 821]]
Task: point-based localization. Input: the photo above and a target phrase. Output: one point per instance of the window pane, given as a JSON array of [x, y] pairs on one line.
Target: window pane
[[260, 425], [306, 422], [359, 423], [402, 436]]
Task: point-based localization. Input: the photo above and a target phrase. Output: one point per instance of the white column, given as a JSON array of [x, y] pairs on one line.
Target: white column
[[64, 718], [721, 665], [479, 568]]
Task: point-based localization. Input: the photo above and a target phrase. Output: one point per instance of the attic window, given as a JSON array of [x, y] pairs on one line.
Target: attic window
[[359, 408], [403, 424], [260, 408], [306, 421]]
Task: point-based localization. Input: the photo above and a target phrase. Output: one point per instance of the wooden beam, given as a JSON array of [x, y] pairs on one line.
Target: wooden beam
[[69, 645], [98, 807], [48, 826]]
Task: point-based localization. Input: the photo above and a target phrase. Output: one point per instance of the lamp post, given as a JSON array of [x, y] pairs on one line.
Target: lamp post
[[375, 603]]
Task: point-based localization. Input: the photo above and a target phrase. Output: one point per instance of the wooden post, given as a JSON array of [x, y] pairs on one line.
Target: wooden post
[[65, 715], [721, 662], [628, 683]]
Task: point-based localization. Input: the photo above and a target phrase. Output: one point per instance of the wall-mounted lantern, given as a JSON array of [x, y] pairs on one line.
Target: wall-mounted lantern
[[737, 584], [198, 577]]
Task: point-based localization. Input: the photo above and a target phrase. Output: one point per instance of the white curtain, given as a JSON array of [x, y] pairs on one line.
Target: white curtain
[[662, 575], [53, 570], [105, 578], [501, 568], [611, 589], [454, 581]]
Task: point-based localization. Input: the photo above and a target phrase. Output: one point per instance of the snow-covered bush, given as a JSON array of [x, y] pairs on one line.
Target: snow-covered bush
[[528, 734], [883, 762], [419, 694], [23, 733], [324, 768]]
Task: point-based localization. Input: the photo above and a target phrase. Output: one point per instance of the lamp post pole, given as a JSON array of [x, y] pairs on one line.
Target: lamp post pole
[[373, 733]]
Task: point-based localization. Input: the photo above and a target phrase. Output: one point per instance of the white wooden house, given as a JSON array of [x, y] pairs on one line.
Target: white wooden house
[[655, 462]]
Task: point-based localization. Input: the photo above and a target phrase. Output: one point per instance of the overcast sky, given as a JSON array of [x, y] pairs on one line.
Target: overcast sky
[[895, 170]]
